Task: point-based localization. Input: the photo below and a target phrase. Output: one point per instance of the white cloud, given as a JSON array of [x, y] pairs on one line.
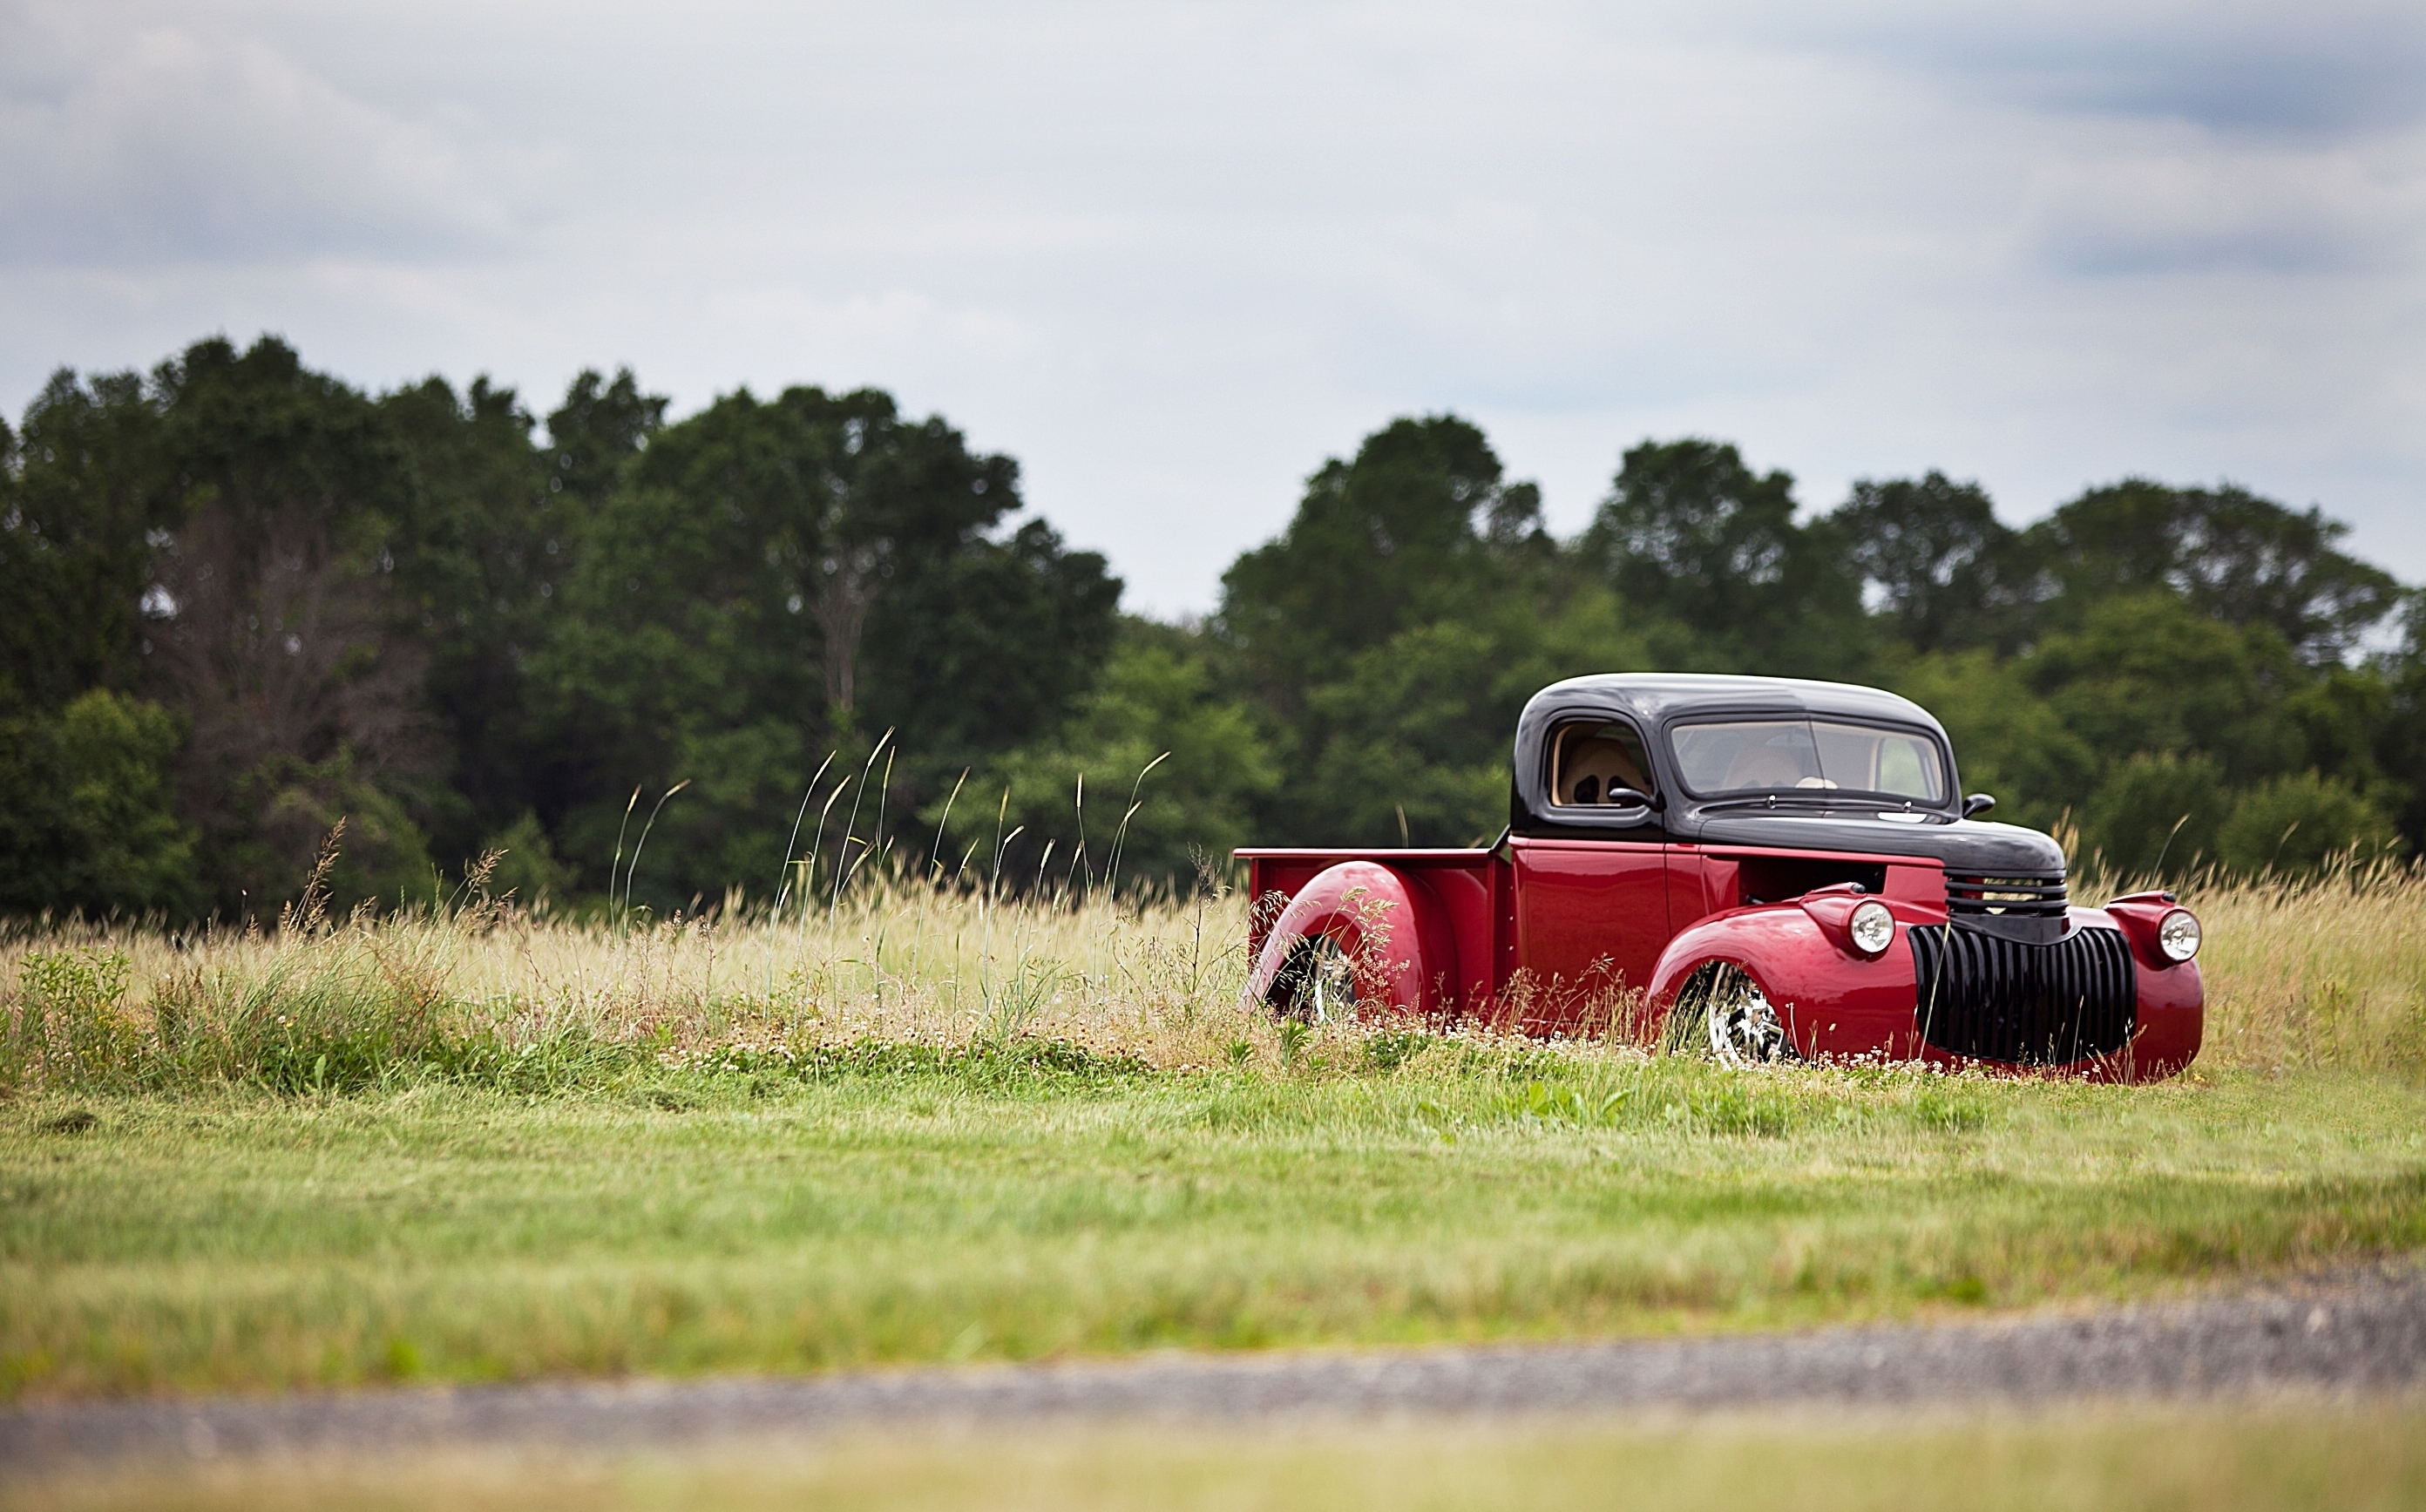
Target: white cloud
[[159, 144]]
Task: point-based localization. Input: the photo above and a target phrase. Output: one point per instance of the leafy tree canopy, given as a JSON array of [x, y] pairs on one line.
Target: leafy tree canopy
[[253, 601], [1692, 534], [1945, 573], [2228, 553], [1417, 525], [770, 582]]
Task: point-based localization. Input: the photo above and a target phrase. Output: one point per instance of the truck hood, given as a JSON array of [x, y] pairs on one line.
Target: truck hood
[[1974, 847]]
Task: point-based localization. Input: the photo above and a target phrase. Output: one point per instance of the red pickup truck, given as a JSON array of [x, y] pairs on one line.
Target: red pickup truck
[[1772, 868]]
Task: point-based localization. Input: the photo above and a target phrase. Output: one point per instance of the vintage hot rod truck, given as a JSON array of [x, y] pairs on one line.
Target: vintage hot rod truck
[[1767, 866]]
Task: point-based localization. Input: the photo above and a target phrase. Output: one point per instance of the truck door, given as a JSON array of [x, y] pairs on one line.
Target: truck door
[[1591, 917], [1592, 906]]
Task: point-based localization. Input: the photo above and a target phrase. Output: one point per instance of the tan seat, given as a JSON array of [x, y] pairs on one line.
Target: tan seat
[[1589, 766]]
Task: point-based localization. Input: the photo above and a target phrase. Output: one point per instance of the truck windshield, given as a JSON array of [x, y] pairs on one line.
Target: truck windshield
[[1788, 754]]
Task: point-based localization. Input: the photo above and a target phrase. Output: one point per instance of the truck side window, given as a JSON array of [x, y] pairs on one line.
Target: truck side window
[[1589, 760]]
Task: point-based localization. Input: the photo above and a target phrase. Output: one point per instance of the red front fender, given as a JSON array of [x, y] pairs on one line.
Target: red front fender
[[1388, 923], [1835, 1001], [1832, 1000]]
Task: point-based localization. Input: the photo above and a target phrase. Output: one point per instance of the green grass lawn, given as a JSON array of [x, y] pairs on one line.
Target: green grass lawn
[[900, 1205]]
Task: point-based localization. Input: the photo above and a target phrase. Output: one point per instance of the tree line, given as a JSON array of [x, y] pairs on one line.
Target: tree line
[[250, 601]]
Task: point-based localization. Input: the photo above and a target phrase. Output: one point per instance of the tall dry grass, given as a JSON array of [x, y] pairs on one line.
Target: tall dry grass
[[490, 991], [2326, 971]]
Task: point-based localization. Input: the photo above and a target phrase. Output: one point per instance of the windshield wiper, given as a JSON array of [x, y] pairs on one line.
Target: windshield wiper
[[1800, 800]]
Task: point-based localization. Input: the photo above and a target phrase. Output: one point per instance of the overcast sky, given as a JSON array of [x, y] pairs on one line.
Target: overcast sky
[[1172, 256]]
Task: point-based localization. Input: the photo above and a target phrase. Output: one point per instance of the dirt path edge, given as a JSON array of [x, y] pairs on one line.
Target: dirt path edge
[[2355, 1333]]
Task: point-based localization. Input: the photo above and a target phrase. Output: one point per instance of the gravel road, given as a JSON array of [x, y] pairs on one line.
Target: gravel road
[[2358, 1333]]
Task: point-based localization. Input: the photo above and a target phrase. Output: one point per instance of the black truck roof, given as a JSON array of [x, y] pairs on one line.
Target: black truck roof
[[1655, 697]]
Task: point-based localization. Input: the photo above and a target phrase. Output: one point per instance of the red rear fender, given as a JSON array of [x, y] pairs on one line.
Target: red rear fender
[[1390, 925]]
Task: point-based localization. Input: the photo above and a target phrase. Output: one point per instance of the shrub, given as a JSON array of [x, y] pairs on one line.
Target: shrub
[[2293, 825], [71, 1028], [2132, 816], [86, 818]]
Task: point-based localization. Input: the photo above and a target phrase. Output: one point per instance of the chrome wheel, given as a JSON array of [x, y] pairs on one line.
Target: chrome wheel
[[1318, 983], [1743, 1025]]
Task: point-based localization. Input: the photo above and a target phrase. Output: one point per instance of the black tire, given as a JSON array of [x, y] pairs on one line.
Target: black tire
[[1317, 985]]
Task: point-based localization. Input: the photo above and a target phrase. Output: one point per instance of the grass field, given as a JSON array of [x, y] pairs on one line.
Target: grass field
[[2290, 1456], [478, 1146]]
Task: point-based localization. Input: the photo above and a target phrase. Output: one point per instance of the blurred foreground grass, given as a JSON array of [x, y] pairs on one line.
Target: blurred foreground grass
[[2288, 1456], [913, 1126]]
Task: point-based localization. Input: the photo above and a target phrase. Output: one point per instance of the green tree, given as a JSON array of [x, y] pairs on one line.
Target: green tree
[[474, 552], [768, 581], [2294, 824], [2157, 813], [2009, 741], [1689, 533], [90, 821], [82, 507], [214, 537], [2345, 718], [1413, 743], [2245, 560], [678, 649], [282, 637], [1945, 571], [1154, 731], [2401, 738], [1417, 528], [981, 644], [2148, 672], [595, 435], [1377, 636], [1414, 739]]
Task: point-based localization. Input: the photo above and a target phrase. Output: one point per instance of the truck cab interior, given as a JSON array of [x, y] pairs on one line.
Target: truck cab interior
[[1591, 758]]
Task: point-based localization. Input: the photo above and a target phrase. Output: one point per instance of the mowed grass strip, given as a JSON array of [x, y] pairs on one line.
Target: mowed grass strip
[[2287, 1455], [950, 1208]]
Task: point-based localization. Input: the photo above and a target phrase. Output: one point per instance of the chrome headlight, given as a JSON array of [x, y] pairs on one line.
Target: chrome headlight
[[2177, 935], [1873, 928]]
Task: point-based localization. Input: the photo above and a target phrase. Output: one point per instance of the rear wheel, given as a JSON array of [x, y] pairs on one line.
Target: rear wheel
[[1317, 985]]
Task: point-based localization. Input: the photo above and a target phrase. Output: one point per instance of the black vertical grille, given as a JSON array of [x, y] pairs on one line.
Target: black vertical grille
[[2002, 999]]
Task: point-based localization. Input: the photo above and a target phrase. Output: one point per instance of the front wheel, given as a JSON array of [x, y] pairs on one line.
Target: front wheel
[[1723, 1012]]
